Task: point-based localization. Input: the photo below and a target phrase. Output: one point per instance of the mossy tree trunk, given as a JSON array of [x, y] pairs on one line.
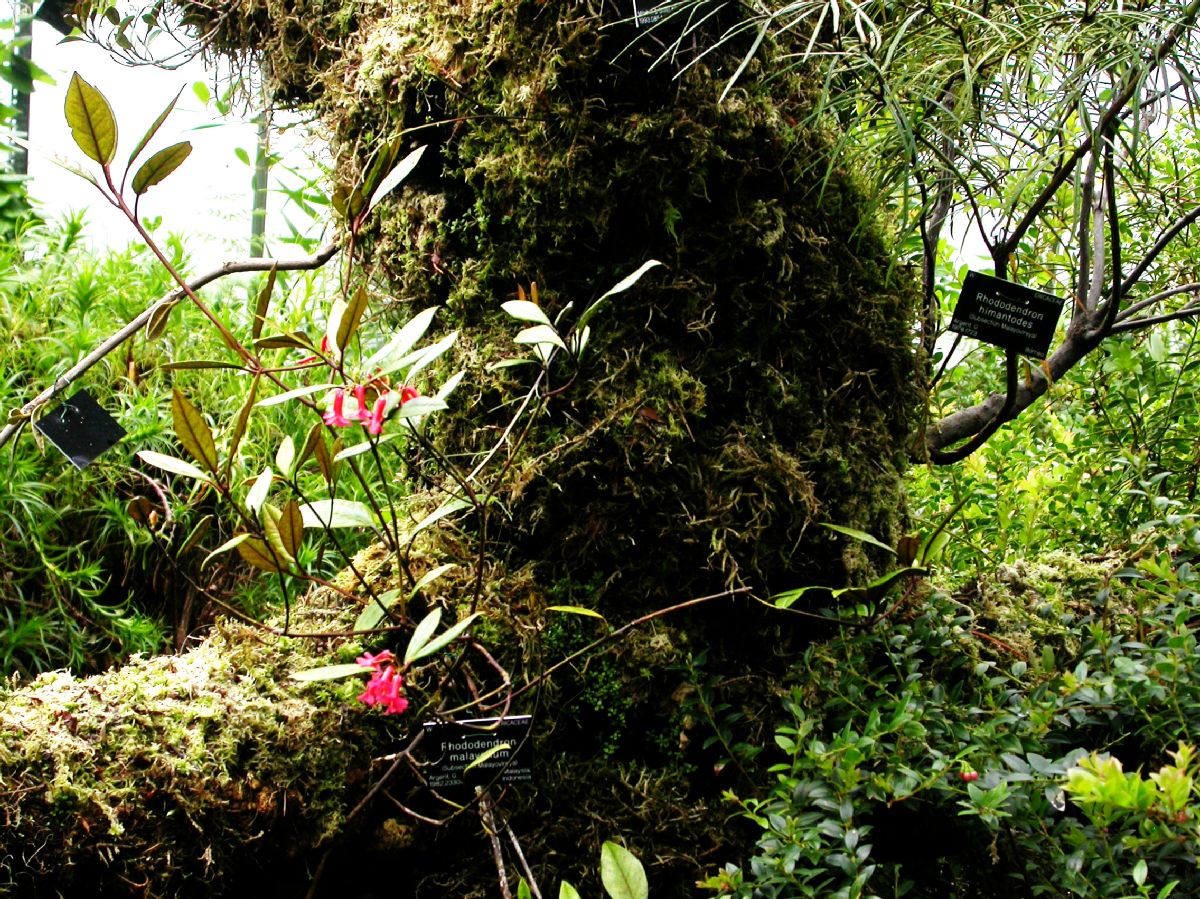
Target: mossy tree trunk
[[759, 383]]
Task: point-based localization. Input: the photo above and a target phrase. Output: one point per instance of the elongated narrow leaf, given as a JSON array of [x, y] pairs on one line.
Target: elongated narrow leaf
[[858, 535], [541, 334], [173, 465], [376, 610], [225, 547], [621, 286], [387, 358], [430, 576], [350, 318], [336, 310], [422, 634], [294, 394], [789, 598], [93, 125], [257, 494], [395, 177], [160, 165], [291, 528], [337, 513], [271, 518], [197, 534], [153, 129], [329, 672], [622, 874], [61, 161], [197, 364], [192, 431], [576, 610], [296, 340], [359, 448], [241, 423], [487, 754], [439, 642], [258, 554], [449, 507], [415, 408], [285, 456], [449, 385], [525, 311], [432, 353], [156, 325], [263, 304]]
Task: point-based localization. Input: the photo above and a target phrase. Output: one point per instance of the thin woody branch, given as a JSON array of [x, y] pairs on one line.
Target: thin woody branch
[[17, 418]]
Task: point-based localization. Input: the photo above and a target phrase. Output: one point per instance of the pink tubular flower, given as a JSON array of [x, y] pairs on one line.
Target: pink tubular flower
[[386, 683], [407, 393], [360, 394], [334, 417], [375, 419]]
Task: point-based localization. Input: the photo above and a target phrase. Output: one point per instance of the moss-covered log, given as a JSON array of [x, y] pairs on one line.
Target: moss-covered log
[[756, 384]]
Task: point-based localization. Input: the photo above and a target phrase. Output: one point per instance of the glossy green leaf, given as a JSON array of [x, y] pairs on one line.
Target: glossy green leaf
[[541, 334], [153, 129], [387, 357], [192, 431], [525, 311], [225, 547], [285, 456], [294, 394], [487, 754], [621, 873], [449, 507], [197, 534], [523, 891], [350, 318], [241, 423], [359, 448], [621, 286], [566, 891], [858, 535], [257, 494], [296, 340], [376, 610], [395, 177], [337, 513], [160, 165], [576, 610], [330, 672], [258, 554], [426, 646], [91, 119], [173, 465], [263, 304]]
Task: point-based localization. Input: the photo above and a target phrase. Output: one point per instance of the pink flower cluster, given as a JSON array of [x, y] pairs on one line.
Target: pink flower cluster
[[386, 683], [373, 419]]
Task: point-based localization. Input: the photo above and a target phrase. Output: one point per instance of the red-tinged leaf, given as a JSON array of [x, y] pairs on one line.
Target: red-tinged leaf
[[158, 123], [271, 516], [316, 435], [297, 340], [160, 165], [258, 554], [264, 303], [93, 125], [193, 539], [243, 421], [193, 432], [159, 316], [350, 318], [291, 528], [324, 460]]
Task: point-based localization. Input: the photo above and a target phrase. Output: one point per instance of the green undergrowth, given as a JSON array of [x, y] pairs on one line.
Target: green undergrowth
[[929, 756]]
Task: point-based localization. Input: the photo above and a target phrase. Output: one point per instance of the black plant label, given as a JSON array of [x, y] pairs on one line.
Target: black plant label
[[80, 429], [1006, 315]]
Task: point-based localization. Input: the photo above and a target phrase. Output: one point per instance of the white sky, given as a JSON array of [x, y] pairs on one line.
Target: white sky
[[208, 197]]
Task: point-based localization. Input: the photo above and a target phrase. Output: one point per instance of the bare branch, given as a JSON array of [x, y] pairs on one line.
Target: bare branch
[[18, 418]]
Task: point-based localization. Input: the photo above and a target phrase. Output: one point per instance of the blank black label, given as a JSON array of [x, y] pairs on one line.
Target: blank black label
[[80, 429]]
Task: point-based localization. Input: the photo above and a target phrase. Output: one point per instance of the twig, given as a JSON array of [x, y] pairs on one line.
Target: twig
[[489, 824], [17, 419]]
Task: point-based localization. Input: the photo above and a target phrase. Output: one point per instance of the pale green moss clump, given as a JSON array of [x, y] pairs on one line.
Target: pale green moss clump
[[171, 775]]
